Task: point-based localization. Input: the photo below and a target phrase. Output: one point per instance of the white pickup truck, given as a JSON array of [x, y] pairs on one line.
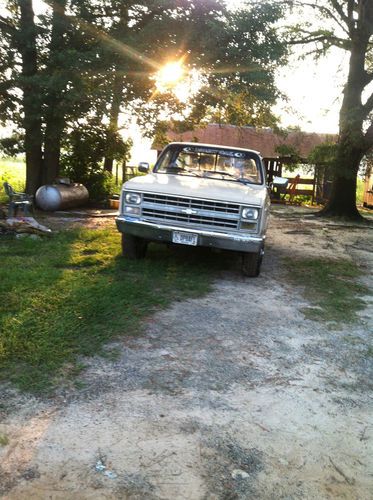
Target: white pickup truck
[[198, 195]]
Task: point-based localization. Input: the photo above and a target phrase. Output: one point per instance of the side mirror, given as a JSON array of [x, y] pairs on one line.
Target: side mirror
[[143, 167]]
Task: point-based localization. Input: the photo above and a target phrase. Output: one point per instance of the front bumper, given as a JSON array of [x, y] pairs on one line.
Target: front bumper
[[163, 233]]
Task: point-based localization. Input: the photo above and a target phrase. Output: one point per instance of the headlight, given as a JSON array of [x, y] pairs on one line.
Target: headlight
[[132, 198], [132, 210], [250, 213]]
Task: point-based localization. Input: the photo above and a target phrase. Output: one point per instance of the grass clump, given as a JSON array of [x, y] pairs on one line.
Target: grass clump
[[69, 295], [331, 286], [4, 440]]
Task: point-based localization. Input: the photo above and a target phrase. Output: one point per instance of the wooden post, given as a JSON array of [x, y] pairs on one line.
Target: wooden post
[[124, 167], [314, 186]]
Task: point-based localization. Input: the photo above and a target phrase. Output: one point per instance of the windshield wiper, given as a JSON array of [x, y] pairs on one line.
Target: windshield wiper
[[219, 172], [232, 176], [180, 170]]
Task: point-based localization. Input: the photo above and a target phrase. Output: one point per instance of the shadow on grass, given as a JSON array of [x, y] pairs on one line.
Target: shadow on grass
[[69, 295]]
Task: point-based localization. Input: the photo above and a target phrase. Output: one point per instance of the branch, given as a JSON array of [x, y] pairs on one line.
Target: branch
[[368, 137], [347, 19], [323, 9], [368, 77], [5, 26], [316, 36], [368, 106]]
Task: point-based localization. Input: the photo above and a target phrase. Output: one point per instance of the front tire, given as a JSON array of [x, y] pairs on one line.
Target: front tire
[[133, 247], [251, 263]]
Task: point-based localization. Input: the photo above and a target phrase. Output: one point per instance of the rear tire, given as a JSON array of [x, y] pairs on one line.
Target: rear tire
[[133, 247], [251, 263]]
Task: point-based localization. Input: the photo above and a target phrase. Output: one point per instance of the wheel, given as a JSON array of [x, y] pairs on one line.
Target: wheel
[[133, 247], [251, 263]]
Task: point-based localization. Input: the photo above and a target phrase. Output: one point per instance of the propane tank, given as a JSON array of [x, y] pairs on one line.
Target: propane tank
[[61, 196]]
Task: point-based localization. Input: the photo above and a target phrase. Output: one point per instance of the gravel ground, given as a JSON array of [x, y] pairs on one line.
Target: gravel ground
[[231, 396]]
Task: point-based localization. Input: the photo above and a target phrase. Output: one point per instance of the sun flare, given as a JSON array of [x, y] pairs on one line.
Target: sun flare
[[170, 75]]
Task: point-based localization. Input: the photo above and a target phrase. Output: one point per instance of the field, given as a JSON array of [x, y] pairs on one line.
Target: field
[[14, 172]]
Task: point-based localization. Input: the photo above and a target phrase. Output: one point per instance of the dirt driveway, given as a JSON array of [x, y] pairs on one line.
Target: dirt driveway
[[231, 396]]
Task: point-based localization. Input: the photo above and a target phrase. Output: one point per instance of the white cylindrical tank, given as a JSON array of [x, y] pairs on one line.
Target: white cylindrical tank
[[60, 196]]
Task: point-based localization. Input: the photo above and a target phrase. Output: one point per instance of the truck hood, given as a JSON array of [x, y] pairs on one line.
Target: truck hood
[[197, 187]]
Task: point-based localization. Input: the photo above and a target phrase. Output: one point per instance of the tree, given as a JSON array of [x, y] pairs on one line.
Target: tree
[[46, 81], [351, 29], [85, 59], [237, 53], [20, 41]]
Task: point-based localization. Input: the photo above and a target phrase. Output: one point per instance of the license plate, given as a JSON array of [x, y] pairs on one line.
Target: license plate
[[185, 238]]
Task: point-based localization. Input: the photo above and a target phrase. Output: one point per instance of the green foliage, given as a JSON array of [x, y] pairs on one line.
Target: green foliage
[[84, 150], [12, 145], [324, 155], [66, 296], [331, 286], [288, 151], [290, 156]]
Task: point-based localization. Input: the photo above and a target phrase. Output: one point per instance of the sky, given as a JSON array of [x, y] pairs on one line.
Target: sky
[[314, 90]]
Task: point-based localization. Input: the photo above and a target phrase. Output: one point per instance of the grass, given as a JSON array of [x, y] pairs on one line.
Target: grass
[[360, 191], [331, 286], [14, 172], [66, 296], [4, 440]]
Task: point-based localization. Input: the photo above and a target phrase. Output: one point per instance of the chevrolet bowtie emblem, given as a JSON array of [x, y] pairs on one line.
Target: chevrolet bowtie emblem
[[190, 211]]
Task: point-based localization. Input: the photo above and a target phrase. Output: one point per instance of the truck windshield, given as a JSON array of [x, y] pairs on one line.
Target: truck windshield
[[225, 164]]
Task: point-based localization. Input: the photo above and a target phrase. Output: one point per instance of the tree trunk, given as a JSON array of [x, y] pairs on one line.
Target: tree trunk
[[114, 115], [342, 202], [31, 97], [351, 145], [52, 147], [55, 116]]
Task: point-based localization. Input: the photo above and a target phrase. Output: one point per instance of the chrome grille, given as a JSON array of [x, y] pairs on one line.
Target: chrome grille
[[156, 207]]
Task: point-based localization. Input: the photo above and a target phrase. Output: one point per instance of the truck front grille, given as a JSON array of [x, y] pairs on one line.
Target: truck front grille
[[193, 211]]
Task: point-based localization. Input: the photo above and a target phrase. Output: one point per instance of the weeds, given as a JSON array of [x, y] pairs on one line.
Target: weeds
[[3, 440]]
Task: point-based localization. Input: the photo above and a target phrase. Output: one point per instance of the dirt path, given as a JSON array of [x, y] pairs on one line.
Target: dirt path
[[232, 396]]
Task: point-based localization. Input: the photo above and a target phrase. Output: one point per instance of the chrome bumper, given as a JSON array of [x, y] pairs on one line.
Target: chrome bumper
[[163, 233]]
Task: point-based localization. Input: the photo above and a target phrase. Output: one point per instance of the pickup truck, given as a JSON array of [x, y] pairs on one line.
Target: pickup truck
[[198, 195]]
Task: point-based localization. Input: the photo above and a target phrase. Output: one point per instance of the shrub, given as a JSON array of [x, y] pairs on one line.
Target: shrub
[[83, 152]]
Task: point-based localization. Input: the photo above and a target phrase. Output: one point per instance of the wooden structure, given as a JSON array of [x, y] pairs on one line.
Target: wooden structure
[[368, 188], [315, 187], [264, 140]]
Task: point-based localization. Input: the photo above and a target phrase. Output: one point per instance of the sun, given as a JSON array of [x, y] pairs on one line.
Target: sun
[[169, 76], [180, 80]]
